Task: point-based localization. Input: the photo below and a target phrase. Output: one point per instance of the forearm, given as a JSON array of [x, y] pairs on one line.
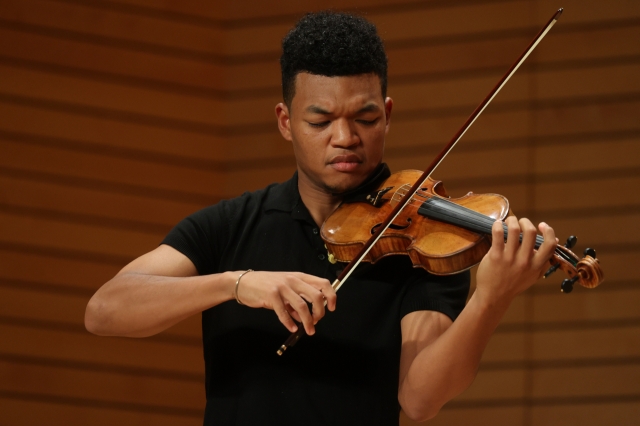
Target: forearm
[[446, 367], [443, 366], [138, 305]]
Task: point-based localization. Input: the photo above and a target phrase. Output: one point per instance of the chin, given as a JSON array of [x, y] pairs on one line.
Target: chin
[[337, 188]]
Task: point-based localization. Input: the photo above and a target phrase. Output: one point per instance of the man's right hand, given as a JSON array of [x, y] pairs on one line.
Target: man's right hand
[[162, 288], [288, 294]]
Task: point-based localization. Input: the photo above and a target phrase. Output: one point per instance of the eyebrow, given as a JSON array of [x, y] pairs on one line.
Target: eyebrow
[[315, 109], [371, 107]]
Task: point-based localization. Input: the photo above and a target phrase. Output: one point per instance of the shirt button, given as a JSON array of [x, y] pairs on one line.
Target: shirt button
[[315, 231], [321, 256]]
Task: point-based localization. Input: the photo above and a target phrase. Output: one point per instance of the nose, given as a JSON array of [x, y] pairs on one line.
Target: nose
[[344, 135]]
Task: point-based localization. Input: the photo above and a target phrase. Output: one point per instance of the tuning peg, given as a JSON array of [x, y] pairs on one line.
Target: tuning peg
[[590, 252], [551, 270], [567, 285]]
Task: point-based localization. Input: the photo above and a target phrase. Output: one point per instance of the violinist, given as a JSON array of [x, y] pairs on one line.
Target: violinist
[[394, 337]]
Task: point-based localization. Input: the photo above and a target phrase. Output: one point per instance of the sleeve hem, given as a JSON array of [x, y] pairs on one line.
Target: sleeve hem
[[430, 305]]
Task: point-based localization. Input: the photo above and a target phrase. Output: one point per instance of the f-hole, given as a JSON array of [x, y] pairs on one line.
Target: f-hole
[[392, 226]]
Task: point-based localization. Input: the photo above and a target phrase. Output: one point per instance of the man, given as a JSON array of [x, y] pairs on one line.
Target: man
[[392, 342]]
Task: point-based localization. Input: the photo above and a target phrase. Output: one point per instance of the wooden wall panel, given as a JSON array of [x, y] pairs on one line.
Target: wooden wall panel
[[112, 210], [579, 11], [120, 118], [76, 275], [74, 19], [597, 39], [111, 97], [614, 304], [594, 156], [203, 10], [505, 347], [595, 412], [287, 8], [117, 170], [26, 410], [495, 384], [584, 343], [576, 381], [27, 48], [108, 134], [617, 258], [41, 306], [449, 21], [97, 385], [76, 346], [54, 235], [516, 312], [499, 416]]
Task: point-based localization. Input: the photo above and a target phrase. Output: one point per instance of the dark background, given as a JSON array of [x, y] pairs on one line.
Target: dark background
[[118, 118]]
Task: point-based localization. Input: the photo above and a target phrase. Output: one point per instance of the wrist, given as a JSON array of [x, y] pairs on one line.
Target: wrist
[[227, 284], [237, 286], [491, 304]]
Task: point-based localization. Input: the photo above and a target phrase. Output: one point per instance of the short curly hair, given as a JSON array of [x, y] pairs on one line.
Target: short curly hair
[[331, 44]]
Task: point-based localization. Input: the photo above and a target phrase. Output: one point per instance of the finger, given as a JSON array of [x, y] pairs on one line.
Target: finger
[[292, 312], [284, 316], [545, 251], [513, 238], [323, 286], [300, 306], [497, 237], [329, 294], [314, 296], [528, 236]]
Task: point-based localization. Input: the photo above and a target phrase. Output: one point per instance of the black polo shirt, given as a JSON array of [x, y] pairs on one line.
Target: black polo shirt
[[347, 373]]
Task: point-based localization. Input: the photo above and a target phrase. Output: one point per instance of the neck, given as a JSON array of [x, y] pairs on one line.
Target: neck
[[319, 203]]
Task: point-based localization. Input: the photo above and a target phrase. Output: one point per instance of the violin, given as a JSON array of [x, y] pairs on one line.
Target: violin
[[442, 235], [411, 214]]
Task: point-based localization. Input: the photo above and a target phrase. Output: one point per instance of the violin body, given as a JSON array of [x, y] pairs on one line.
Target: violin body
[[440, 234], [436, 246]]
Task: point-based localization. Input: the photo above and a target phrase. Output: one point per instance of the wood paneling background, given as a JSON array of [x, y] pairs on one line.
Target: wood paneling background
[[118, 118]]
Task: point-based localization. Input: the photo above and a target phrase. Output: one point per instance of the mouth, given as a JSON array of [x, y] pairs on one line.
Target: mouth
[[345, 163]]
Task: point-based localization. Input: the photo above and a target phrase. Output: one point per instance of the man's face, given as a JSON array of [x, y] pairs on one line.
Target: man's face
[[337, 126]]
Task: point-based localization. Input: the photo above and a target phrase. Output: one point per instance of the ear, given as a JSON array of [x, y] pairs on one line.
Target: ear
[[388, 106], [284, 122]]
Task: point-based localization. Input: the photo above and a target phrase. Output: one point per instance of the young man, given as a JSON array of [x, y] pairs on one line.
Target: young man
[[392, 341]]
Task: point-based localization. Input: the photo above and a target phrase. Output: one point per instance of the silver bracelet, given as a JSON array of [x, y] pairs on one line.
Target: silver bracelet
[[238, 282]]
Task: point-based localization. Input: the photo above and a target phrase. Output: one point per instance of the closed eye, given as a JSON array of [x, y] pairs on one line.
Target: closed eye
[[368, 122], [319, 125]]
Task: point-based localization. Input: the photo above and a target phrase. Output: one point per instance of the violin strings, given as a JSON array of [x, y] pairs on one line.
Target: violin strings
[[438, 208]]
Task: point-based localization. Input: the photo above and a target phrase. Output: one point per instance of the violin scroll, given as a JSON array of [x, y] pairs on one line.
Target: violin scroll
[[586, 271]]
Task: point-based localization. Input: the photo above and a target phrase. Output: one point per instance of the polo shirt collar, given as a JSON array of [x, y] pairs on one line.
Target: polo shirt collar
[[285, 196]]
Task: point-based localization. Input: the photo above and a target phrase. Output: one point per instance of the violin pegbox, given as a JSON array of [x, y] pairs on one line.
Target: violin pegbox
[[585, 271], [571, 242]]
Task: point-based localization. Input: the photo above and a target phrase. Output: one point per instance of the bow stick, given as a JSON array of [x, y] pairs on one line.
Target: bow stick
[[346, 272]]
